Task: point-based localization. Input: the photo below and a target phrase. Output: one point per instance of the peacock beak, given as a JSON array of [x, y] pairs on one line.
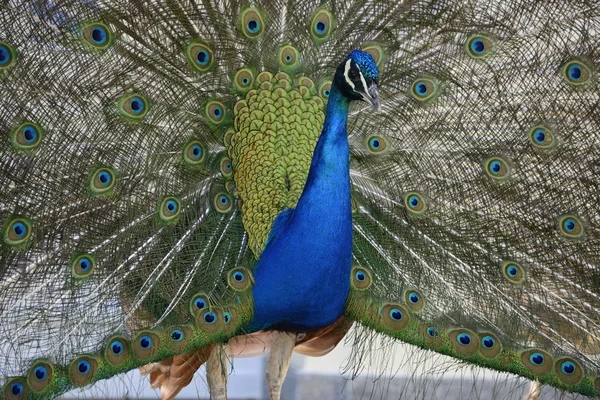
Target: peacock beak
[[373, 97]]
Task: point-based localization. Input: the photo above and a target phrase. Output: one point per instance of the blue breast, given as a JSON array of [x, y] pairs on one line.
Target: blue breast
[[302, 278]]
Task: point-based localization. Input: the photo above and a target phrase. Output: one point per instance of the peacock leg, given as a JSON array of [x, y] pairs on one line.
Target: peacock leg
[[279, 361], [216, 373], [534, 391]]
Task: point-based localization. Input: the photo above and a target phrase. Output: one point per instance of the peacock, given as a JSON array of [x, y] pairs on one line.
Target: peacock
[[184, 181]]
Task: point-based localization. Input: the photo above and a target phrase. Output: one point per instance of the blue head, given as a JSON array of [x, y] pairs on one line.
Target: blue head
[[357, 77]]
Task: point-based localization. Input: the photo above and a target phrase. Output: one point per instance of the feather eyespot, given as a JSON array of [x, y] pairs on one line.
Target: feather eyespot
[[227, 317], [116, 351], [576, 72], [83, 266], [324, 90], [145, 345], [194, 153], [215, 112], [431, 334], [133, 106], [15, 389], [169, 208], [361, 278], [199, 56], [513, 271], [489, 345], [415, 203], [177, 335], [97, 35], [376, 144], [394, 316], [568, 370], [252, 23], [497, 168], [414, 300], [541, 137], [210, 317], [226, 167], [537, 361], [239, 279], [82, 370], [479, 46], [464, 341], [101, 181], [7, 55], [571, 226], [424, 89], [199, 302], [321, 25], [40, 376], [223, 203], [17, 231], [288, 58], [243, 80], [26, 136]]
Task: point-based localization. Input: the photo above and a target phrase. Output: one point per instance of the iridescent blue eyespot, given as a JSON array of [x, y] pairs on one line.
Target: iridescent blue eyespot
[[360, 276], [421, 88], [5, 55], [374, 143], [145, 342], [536, 358], [568, 367], [488, 342], [512, 271], [203, 57], [238, 276], [172, 205], [539, 135], [196, 151], [395, 314], [177, 335], [200, 303], [99, 35], [253, 26], [432, 332], [413, 201], [40, 373], [464, 339], [477, 46], [574, 72], [320, 27], [19, 229], [226, 317], [83, 367], [137, 105], [104, 178], [413, 298], [16, 389], [569, 225], [30, 134], [116, 347], [495, 167], [210, 317], [85, 264]]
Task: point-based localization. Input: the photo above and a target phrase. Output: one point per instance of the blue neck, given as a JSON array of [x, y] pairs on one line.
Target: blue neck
[[302, 278], [329, 172]]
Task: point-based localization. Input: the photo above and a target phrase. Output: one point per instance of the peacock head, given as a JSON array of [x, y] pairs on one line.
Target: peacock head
[[357, 77]]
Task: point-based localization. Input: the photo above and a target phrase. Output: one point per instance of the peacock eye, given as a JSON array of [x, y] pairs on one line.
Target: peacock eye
[[352, 74]]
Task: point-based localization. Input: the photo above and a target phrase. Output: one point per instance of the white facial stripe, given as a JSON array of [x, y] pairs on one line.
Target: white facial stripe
[[364, 83], [346, 70]]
